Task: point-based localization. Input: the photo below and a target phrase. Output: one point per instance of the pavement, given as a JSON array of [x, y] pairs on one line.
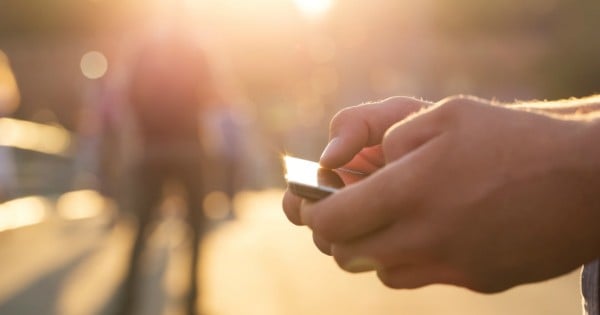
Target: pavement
[[73, 262]]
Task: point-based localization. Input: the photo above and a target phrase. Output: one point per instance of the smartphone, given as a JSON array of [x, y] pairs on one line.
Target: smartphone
[[308, 179]]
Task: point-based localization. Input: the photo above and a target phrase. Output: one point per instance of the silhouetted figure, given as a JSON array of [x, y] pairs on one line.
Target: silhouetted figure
[[169, 86]]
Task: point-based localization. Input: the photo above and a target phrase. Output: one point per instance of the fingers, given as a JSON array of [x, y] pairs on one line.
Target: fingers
[[403, 259], [367, 161], [408, 135], [347, 213], [357, 209], [291, 207], [406, 256], [322, 244], [391, 194], [416, 276], [357, 127], [402, 243]]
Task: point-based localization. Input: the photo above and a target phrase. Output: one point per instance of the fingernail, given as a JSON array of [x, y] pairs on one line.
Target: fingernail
[[361, 264], [330, 148]]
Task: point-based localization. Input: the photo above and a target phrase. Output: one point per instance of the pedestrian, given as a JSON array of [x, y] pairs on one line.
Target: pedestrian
[[170, 85]]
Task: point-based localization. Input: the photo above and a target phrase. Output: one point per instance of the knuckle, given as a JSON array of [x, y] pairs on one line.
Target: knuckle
[[455, 104], [410, 102], [388, 143], [342, 117]]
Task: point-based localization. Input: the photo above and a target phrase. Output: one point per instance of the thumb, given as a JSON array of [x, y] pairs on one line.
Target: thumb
[[357, 127]]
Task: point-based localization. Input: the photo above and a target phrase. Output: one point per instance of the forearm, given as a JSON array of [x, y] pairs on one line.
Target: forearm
[[573, 106]]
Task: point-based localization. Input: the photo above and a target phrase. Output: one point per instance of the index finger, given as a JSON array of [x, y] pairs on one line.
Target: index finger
[[393, 193], [357, 127], [291, 207]]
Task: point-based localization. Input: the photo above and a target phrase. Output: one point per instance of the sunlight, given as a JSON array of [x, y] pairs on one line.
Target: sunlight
[[313, 8]]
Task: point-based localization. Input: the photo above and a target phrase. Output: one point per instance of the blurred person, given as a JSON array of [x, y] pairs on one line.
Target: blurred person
[[463, 191], [105, 136], [9, 101], [170, 87], [224, 142], [106, 143]]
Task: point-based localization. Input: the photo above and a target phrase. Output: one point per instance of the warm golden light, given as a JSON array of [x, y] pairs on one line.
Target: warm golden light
[[80, 204], [22, 212], [33, 136], [313, 8], [94, 65]]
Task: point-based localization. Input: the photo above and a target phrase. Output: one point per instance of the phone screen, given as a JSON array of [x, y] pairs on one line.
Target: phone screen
[[309, 180]]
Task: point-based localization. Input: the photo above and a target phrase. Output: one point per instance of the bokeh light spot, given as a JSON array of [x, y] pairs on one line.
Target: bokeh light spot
[[80, 204], [33, 136], [93, 65]]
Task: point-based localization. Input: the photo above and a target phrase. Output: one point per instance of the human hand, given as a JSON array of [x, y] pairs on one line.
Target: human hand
[[355, 140], [469, 194], [355, 143]]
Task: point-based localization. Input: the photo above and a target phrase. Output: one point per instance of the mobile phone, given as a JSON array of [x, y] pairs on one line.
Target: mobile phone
[[308, 179]]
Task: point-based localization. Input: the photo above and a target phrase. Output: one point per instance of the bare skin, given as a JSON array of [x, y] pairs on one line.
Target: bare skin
[[463, 192]]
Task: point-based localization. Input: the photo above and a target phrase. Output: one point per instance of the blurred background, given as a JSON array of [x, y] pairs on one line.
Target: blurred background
[[281, 69]]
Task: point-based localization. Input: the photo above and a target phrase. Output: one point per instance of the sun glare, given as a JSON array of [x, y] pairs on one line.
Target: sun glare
[[313, 8]]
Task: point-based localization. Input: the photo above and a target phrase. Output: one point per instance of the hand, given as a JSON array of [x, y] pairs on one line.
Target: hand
[[355, 140], [355, 143], [470, 194]]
